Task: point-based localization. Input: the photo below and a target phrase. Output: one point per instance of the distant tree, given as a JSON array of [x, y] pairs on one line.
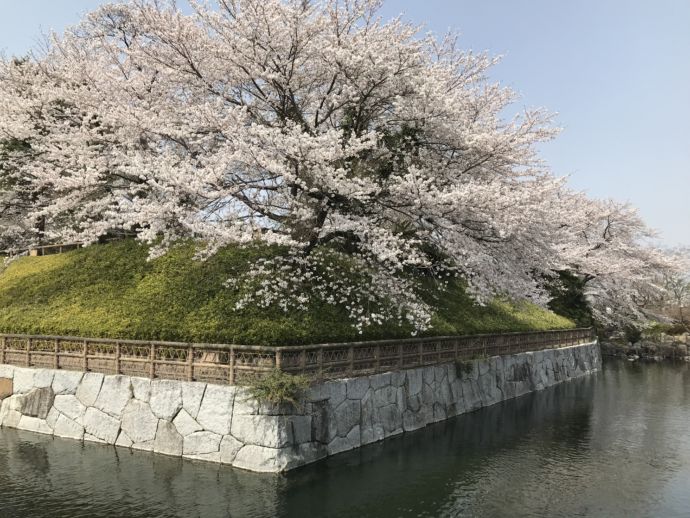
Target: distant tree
[[357, 145], [677, 284]]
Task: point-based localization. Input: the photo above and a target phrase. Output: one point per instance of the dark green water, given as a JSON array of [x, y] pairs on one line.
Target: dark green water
[[615, 444]]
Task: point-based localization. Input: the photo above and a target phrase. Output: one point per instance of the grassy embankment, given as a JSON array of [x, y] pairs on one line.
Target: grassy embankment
[[113, 291]]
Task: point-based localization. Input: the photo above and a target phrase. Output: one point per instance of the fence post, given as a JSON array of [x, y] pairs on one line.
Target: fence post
[[350, 360], [85, 358], [28, 352], [377, 356], [278, 359], [190, 365], [303, 361], [320, 362], [401, 352], [152, 360], [232, 365], [117, 358], [421, 353], [56, 351], [3, 345]]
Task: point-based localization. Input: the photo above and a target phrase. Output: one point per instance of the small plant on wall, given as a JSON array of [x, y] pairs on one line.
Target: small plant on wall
[[280, 388]]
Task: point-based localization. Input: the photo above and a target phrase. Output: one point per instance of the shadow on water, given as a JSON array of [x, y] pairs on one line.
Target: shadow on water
[[614, 444]]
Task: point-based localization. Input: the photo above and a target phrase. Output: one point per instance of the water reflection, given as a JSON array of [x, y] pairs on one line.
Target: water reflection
[[615, 444]]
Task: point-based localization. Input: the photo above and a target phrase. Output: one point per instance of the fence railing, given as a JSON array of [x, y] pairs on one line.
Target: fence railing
[[242, 364], [39, 251]]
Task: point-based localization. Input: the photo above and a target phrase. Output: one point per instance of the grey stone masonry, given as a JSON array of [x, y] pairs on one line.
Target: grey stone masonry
[[224, 424]]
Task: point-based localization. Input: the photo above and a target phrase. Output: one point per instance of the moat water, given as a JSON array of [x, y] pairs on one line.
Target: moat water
[[615, 444]]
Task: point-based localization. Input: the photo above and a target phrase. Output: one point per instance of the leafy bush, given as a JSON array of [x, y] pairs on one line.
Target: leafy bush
[[659, 328], [280, 388], [113, 291], [632, 334]]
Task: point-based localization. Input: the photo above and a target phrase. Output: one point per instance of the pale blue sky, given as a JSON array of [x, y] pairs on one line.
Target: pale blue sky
[[616, 71]]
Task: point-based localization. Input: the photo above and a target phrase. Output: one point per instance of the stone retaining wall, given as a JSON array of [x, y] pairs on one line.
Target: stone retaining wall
[[223, 424]]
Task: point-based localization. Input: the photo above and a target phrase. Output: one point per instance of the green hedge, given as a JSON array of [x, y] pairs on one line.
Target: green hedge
[[114, 291]]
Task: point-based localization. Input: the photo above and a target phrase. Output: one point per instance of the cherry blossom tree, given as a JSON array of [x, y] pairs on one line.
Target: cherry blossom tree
[[363, 148], [677, 286]]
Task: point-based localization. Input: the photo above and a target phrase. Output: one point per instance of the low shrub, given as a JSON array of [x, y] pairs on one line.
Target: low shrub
[[279, 388]]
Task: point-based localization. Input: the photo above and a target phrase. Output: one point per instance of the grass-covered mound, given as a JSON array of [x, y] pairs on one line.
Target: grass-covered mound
[[113, 291]]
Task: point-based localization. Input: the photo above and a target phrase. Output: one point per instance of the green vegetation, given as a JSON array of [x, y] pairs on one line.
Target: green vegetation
[[279, 388], [569, 299], [113, 291], [463, 367], [659, 328]]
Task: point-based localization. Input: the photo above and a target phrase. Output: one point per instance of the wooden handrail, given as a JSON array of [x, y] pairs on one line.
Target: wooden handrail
[[242, 364]]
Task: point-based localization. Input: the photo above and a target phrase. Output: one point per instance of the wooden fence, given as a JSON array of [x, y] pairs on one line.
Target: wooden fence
[[241, 364]]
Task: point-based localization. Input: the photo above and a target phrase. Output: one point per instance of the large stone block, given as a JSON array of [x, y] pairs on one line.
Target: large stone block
[[6, 371], [229, 446], [413, 420], [414, 381], [215, 413], [43, 378], [398, 378], [66, 427], [70, 406], [141, 389], [381, 380], [386, 395], [10, 418], [347, 416], [192, 395], [206, 457], [245, 403], [138, 421], [333, 391], [123, 440], [52, 418], [324, 426], [143, 446], [67, 382], [200, 443], [6, 388], [185, 423], [267, 460], [92, 438], [371, 427], [357, 387], [471, 395], [100, 425], [34, 424], [391, 419], [36, 403], [89, 388], [429, 375], [23, 380], [269, 431], [351, 441], [168, 440], [115, 393], [166, 398], [301, 428]]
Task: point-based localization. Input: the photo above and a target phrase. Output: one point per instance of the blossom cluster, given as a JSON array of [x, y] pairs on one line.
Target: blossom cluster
[[306, 125]]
